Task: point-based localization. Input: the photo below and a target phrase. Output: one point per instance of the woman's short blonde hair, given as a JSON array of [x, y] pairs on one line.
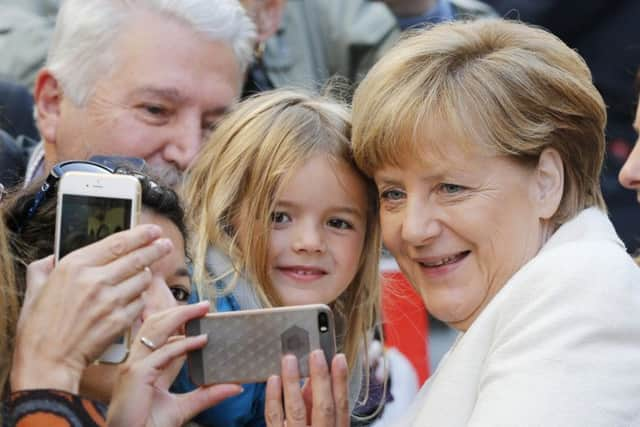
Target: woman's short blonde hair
[[512, 87], [234, 185]]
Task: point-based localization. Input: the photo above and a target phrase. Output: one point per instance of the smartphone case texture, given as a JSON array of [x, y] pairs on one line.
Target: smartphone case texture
[[247, 346]]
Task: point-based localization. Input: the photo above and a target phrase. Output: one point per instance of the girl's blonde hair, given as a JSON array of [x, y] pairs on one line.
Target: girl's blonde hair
[[235, 181]]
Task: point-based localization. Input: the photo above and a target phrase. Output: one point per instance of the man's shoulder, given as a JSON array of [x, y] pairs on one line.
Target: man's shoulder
[[472, 9]]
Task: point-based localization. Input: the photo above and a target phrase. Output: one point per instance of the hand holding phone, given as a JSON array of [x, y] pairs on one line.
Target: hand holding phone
[[247, 346], [68, 317], [90, 207]]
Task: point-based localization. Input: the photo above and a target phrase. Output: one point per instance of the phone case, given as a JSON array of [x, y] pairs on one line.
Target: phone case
[[247, 346]]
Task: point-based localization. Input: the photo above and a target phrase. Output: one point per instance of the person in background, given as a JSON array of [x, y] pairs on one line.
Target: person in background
[[320, 39], [121, 79]]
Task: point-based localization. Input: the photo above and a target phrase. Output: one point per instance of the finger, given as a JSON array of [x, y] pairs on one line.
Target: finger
[[273, 403], [132, 288], [323, 413], [192, 403], [134, 262], [118, 244], [160, 326], [340, 382], [103, 333], [294, 408], [158, 359]]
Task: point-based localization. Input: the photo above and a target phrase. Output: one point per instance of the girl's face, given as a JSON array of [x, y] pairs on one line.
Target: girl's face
[[318, 232]]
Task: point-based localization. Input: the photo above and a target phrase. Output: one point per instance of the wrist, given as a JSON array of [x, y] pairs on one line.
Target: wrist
[[38, 373]]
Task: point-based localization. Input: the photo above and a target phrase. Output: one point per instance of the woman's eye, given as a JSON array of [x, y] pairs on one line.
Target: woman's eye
[[340, 224], [179, 293], [392, 195], [451, 188], [280, 217]]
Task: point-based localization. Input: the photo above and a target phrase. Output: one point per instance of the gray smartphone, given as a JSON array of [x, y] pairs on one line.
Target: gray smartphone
[[247, 346]]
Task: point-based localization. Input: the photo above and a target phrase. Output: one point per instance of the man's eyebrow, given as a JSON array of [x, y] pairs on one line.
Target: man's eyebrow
[[167, 93]]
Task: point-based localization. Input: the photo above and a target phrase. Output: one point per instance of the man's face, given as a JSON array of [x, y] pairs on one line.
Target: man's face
[[170, 86]]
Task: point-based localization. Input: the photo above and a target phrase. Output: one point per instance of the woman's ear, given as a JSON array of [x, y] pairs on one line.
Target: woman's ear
[[548, 182]]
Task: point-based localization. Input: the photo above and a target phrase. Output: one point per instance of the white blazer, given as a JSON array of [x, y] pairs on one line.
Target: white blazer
[[559, 345]]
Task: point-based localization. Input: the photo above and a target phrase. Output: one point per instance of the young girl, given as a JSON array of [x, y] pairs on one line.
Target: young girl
[[276, 200]]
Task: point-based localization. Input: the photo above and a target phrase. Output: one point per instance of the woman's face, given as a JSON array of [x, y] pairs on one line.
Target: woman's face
[[630, 172], [460, 223]]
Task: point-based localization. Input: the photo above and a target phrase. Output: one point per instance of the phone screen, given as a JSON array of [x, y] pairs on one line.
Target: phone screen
[[87, 219]]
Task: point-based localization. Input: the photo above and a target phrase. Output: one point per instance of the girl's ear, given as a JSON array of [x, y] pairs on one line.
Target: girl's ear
[[548, 183]]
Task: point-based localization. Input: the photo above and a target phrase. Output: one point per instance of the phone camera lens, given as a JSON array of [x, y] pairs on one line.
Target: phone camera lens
[[323, 322]]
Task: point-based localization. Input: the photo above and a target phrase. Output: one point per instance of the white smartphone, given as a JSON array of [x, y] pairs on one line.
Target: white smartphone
[[247, 346], [90, 207]]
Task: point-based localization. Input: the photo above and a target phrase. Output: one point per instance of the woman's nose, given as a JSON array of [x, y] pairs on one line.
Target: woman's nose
[[629, 175], [419, 224]]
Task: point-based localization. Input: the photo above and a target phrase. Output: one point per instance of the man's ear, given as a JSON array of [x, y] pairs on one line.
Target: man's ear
[[548, 183], [48, 97], [268, 18]]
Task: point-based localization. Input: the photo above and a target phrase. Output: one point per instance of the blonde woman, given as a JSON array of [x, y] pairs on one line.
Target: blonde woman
[[275, 193], [486, 142]]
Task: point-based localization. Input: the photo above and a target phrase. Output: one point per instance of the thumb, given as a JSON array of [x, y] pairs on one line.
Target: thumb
[[192, 403]]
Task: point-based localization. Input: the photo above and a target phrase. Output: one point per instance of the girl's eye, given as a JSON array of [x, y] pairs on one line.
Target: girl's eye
[[179, 293], [340, 224], [392, 195], [451, 188], [280, 217]]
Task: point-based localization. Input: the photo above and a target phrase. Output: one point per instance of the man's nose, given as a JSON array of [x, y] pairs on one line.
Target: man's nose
[[186, 141]]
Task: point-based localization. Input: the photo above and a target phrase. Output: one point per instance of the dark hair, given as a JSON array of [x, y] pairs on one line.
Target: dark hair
[[35, 238]]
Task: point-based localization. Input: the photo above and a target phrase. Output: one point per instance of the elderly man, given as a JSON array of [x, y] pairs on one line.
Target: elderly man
[[143, 78]]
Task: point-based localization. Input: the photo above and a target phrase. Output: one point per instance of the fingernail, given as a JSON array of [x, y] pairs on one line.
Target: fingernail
[[290, 364], [318, 357], [203, 303], [340, 361], [164, 244]]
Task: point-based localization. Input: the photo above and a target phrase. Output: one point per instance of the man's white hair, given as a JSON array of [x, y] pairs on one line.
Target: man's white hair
[[81, 48]]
